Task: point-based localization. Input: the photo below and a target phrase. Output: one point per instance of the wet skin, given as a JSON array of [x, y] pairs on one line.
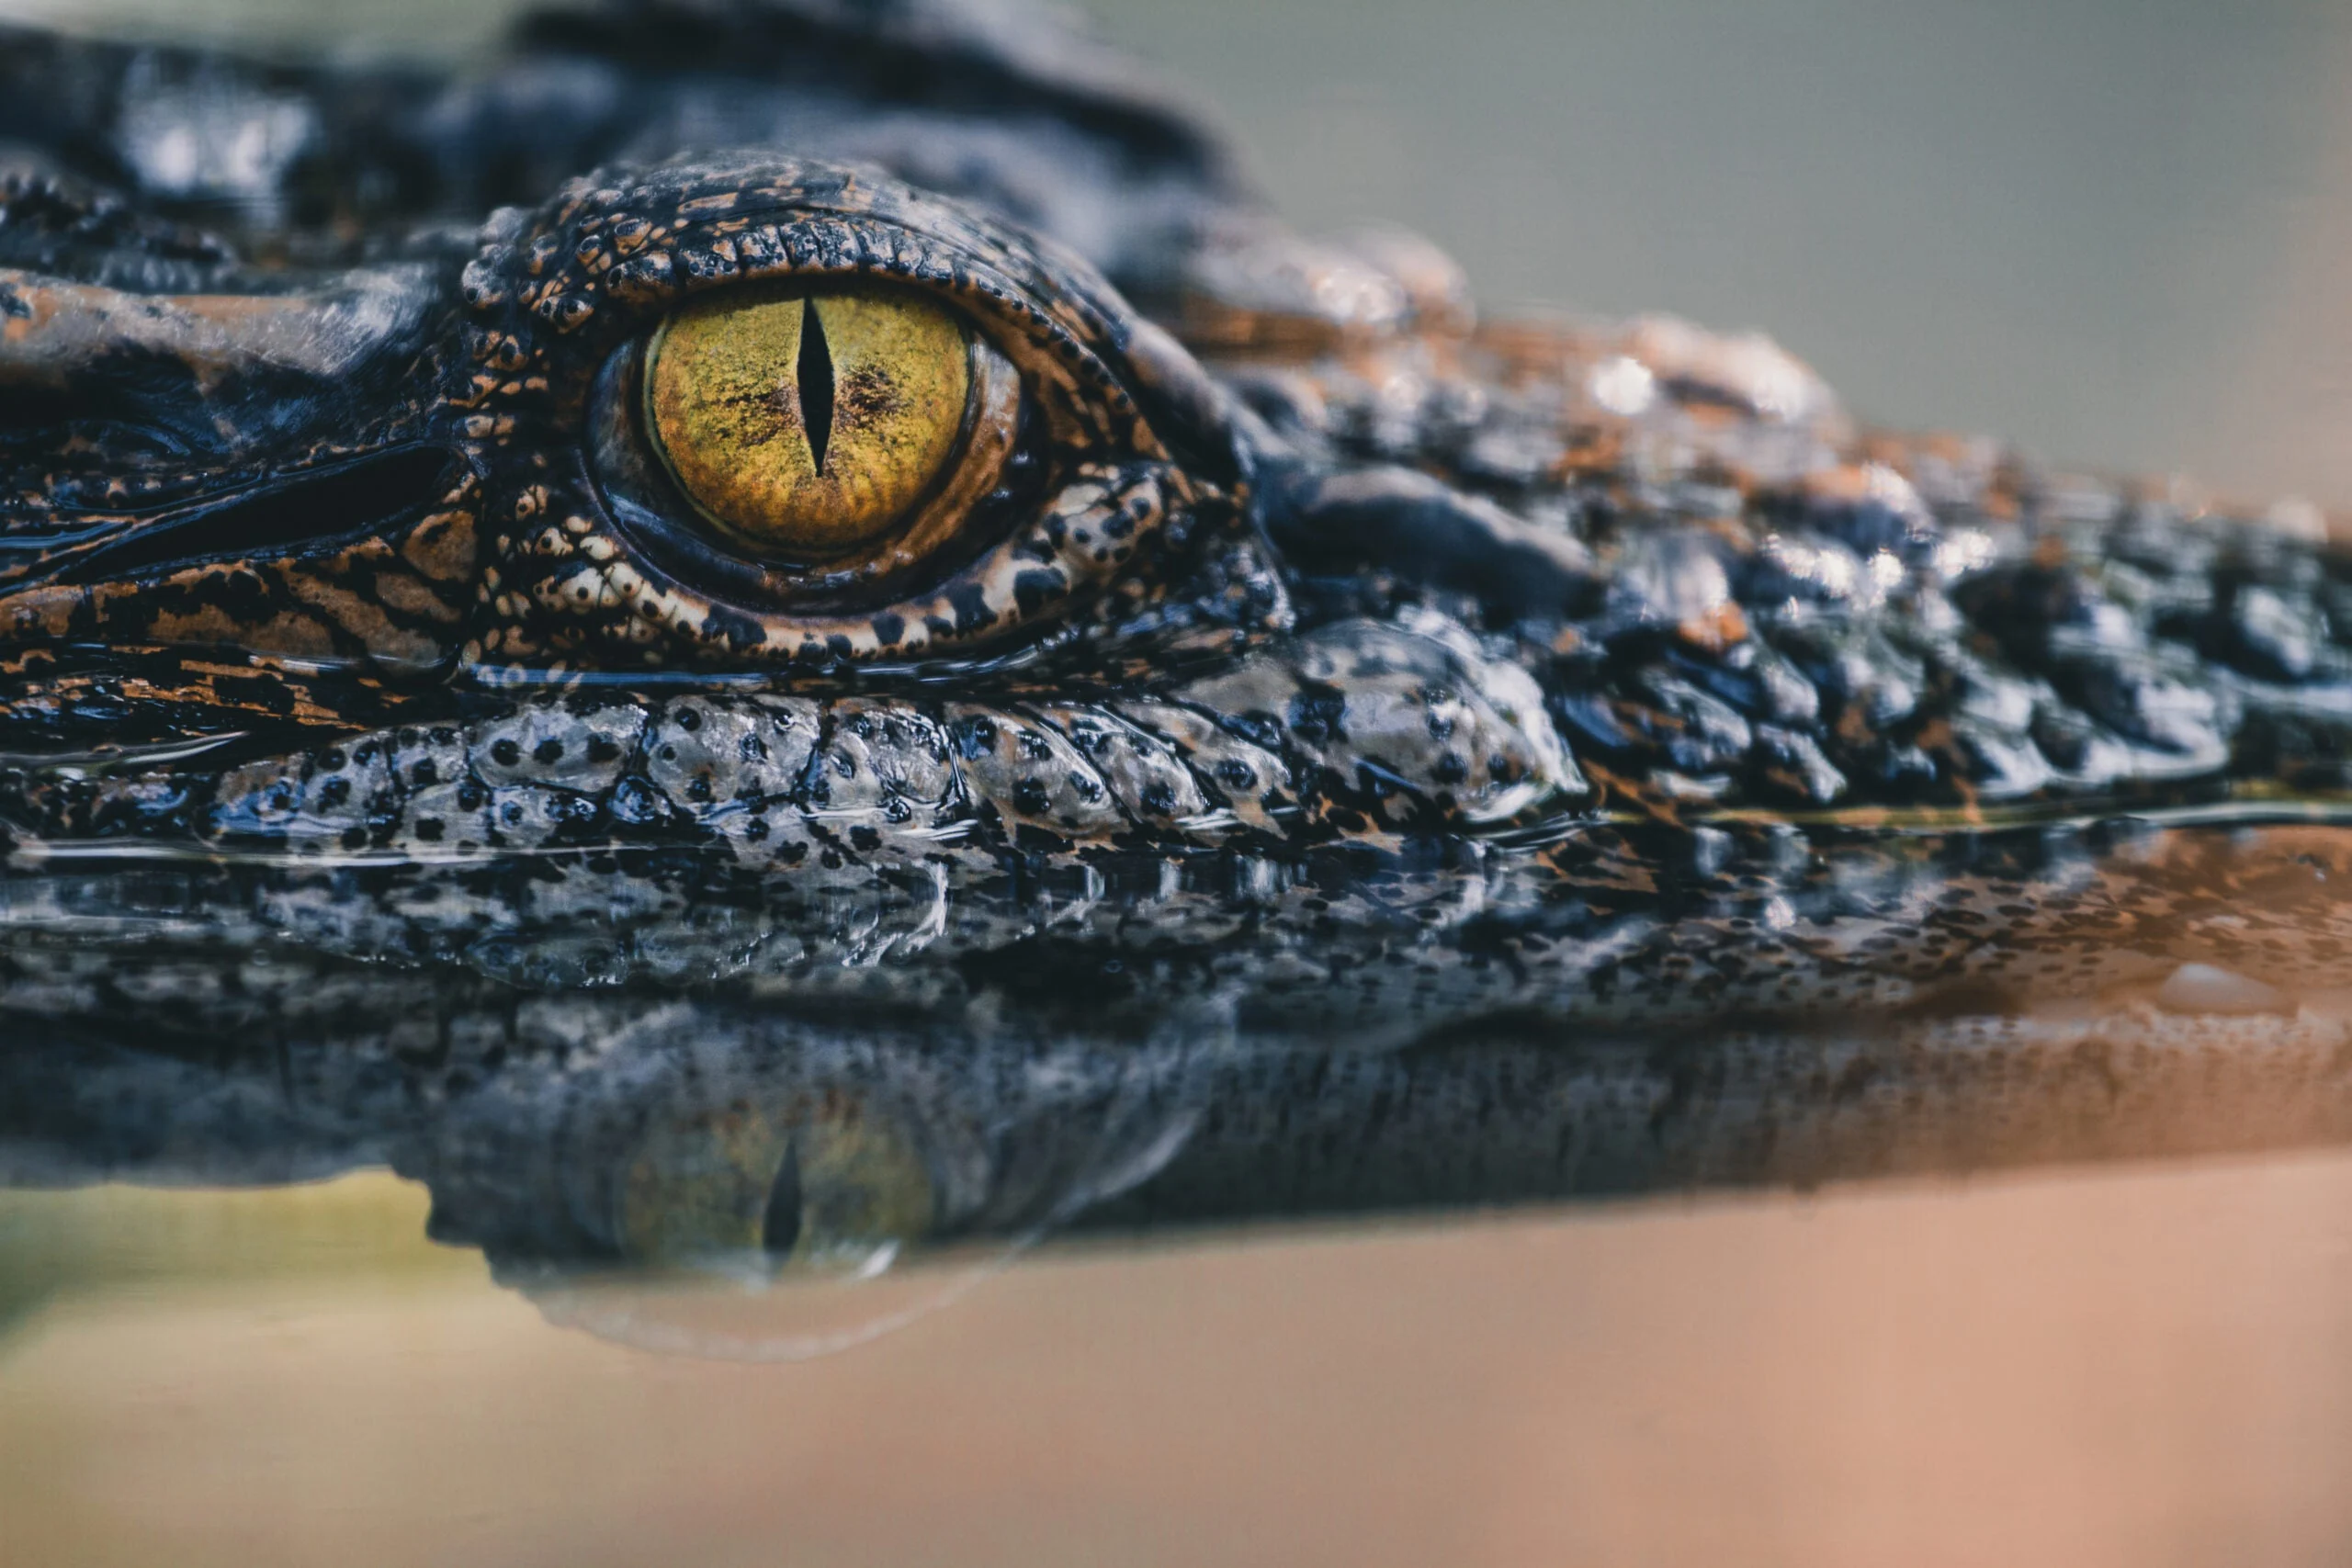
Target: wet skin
[[1327, 700]]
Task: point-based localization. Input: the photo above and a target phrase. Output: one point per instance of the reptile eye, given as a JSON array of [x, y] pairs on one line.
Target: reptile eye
[[825, 1185], [845, 430], [746, 418]]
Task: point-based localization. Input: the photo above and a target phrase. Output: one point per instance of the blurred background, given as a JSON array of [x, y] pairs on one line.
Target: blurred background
[[2118, 231]]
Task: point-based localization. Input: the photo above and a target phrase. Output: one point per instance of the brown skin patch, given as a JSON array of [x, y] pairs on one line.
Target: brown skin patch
[[44, 612], [412, 596], [285, 633], [443, 548], [362, 617]]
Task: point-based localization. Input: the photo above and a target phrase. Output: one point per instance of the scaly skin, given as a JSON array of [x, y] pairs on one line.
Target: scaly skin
[[1333, 672]]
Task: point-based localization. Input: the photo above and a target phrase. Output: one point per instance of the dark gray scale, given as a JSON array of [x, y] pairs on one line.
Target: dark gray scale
[[710, 757], [1024, 774], [883, 791], [1144, 773], [1248, 780]]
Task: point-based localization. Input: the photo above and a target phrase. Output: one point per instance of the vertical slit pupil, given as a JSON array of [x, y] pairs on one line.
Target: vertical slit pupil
[[815, 371], [780, 1222]]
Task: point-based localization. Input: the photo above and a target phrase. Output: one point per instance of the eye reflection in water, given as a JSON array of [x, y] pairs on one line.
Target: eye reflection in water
[[698, 1180]]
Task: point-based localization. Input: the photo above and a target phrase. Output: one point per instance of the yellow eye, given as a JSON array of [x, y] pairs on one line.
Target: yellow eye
[[824, 1185], [813, 428]]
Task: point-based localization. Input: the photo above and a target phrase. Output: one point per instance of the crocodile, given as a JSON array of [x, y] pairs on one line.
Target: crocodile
[[761, 626]]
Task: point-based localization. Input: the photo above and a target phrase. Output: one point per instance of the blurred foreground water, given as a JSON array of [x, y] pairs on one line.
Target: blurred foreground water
[[2119, 1368]]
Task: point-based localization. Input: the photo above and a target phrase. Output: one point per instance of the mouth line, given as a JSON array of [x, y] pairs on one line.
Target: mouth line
[[362, 496]]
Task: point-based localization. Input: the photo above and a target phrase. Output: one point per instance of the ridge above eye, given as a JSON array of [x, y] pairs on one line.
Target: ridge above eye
[[806, 426]]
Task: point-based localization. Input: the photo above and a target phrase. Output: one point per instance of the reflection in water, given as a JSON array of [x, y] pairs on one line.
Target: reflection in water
[[723, 1180]]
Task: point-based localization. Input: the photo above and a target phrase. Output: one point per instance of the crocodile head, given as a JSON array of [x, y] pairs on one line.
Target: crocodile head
[[738, 561], [852, 520]]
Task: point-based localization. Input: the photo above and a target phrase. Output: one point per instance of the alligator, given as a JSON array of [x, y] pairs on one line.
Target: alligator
[[766, 629]]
